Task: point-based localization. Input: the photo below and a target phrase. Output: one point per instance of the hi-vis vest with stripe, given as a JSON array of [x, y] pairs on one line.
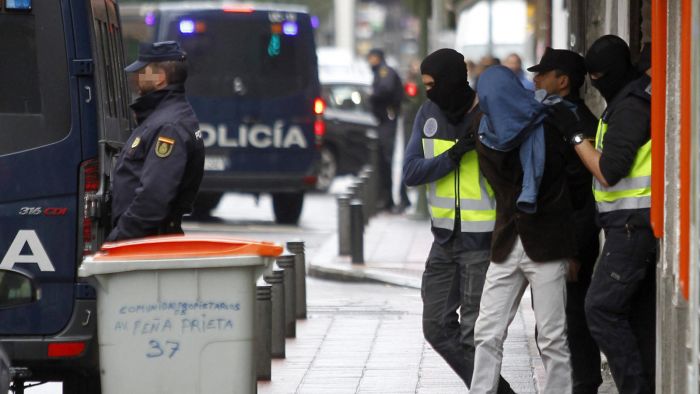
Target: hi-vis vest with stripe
[[634, 190], [464, 189]]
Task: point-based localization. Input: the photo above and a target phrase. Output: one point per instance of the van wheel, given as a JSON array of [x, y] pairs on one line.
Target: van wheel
[[287, 207], [83, 384], [205, 203], [329, 168]]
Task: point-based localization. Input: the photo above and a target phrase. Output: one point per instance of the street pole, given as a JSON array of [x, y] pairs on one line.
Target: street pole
[[423, 14], [344, 15]]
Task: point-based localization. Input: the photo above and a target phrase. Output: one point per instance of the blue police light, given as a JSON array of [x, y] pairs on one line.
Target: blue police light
[[186, 26], [18, 4], [315, 23], [290, 28], [150, 18]]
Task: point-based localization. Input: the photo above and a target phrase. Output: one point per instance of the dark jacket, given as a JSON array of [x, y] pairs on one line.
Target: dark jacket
[[387, 93], [417, 170], [160, 168], [547, 234], [580, 179], [628, 116]]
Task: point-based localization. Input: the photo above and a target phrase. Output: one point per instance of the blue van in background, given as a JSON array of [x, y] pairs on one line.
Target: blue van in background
[[253, 82], [63, 117]]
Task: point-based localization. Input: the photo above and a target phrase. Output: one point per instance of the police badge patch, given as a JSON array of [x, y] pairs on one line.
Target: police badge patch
[[430, 127], [164, 147]]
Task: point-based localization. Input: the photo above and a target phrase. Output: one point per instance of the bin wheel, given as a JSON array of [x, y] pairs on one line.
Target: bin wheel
[[287, 207]]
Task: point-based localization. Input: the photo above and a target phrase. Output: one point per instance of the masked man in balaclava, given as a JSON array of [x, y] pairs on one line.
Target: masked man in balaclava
[[441, 155], [620, 304]]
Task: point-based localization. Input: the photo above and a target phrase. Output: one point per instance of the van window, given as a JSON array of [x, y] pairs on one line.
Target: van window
[[261, 62], [34, 95], [110, 78]]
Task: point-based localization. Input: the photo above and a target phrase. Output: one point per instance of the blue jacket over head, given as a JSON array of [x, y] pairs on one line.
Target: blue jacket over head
[[513, 119]]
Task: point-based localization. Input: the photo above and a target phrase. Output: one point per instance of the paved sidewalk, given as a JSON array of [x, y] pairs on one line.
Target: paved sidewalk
[[372, 343], [395, 250]]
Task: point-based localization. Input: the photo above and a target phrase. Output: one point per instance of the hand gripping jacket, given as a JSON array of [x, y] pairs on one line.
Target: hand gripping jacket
[[463, 189], [632, 191]]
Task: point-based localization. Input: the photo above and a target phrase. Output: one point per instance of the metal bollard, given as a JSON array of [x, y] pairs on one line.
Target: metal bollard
[[343, 225], [263, 331], [374, 159], [356, 232], [370, 201], [354, 191], [286, 262], [360, 195], [297, 247], [276, 279]]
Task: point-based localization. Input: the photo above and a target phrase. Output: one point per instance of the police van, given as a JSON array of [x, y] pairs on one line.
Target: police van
[[63, 117], [253, 83]]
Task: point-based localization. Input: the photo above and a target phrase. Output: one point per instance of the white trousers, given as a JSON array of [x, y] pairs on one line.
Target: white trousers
[[504, 287]]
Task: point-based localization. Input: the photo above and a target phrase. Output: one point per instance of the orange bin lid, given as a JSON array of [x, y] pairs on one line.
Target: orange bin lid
[[183, 246]]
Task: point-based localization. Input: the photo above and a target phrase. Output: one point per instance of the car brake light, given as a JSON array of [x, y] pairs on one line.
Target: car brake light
[[319, 128], [238, 8], [319, 106], [310, 180], [411, 89], [90, 180], [91, 176], [66, 349]]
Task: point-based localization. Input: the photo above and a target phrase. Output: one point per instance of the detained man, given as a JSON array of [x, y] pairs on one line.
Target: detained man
[[524, 159]]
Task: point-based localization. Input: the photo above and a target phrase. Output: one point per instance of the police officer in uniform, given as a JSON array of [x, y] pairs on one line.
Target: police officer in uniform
[[387, 93], [620, 304], [441, 155], [562, 73], [160, 168]]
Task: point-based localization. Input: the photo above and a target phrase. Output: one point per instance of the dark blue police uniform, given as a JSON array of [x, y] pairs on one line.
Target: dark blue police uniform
[[160, 168], [387, 93]]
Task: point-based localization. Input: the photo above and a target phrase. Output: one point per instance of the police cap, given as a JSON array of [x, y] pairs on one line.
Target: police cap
[[376, 52], [571, 63], [156, 52]]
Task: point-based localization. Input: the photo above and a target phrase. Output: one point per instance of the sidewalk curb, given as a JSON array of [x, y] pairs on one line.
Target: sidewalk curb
[[346, 274]]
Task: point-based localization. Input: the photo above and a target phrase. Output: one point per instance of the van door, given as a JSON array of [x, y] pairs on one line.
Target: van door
[[254, 97], [113, 113], [40, 153]]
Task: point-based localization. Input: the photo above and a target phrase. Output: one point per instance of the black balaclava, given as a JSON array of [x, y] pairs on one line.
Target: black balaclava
[[451, 92], [610, 55]]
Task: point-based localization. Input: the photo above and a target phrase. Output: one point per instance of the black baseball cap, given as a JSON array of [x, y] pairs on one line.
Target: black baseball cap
[[156, 52], [571, 63]]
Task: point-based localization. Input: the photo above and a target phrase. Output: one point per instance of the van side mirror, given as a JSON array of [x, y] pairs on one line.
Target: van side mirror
[[17, 288]]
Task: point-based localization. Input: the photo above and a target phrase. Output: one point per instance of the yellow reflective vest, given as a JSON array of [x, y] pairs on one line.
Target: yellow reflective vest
[[463, 189], [632, 191]]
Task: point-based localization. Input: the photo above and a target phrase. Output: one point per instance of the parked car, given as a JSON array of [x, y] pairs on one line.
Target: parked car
[[349, 127]]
